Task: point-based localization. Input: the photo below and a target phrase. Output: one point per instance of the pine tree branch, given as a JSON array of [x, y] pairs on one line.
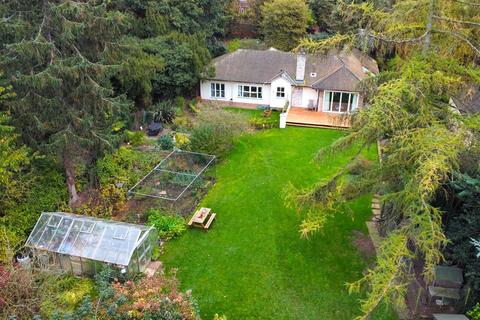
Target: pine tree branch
[[40, 29], [400, 41], [472, 23], [426, 44], [461, 37], [469, 3]]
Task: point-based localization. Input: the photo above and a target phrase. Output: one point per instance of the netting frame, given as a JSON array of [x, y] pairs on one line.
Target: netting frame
[[209, 160]]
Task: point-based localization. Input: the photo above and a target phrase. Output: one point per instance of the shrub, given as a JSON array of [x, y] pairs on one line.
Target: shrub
[[18, 289], [156, 297], [181, 123], [263, 123], [165, 142], [179, 106], [104, 202], [215, 130], [135, 138], [46, 193], [193, 106], [118, 168], [474, 314], [64, 293], [233, 45], [168, 226], [164, 111], [463, 225], [182, 140]]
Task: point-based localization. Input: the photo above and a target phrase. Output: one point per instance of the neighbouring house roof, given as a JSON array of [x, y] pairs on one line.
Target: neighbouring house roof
[[334, 70], [87, 237], [469, 102]]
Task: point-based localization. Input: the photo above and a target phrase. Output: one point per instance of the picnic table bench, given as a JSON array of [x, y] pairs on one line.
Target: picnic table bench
[[203, 218]]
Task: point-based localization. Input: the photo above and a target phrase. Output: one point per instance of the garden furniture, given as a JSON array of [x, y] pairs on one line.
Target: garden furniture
[[203, 218]]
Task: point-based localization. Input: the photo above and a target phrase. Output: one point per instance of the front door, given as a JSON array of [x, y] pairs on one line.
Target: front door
[[297, 97]]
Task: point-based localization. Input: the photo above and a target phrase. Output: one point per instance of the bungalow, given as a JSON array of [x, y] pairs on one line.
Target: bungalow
[[316, 88]]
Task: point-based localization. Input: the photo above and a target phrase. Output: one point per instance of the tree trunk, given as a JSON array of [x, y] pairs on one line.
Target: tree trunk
[[428, 30], [70, 174], [138, 119]]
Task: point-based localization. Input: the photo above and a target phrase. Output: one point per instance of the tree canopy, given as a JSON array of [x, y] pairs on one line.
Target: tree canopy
[[423, 140], [54, 53], [284, 22]]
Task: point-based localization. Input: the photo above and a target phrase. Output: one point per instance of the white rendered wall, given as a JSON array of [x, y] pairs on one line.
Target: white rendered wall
[[231, 92], [276, 102]]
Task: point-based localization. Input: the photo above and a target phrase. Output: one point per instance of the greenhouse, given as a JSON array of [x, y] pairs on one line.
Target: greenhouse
[[82, 245]]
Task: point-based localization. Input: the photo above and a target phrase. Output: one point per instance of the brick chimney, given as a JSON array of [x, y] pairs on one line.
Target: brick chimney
[[301, 61]]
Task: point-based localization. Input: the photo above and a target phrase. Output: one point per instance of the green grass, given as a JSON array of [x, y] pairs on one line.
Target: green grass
[[252, 264]]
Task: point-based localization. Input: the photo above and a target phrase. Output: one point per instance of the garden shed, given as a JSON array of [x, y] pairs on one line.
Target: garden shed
[[82, 245]]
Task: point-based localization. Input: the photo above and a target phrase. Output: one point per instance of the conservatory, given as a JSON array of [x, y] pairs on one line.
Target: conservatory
[[82, 245]]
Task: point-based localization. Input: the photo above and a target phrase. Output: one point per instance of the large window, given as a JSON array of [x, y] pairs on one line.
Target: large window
[[217, 90], [341, 102], [280, 92], [250, 92]]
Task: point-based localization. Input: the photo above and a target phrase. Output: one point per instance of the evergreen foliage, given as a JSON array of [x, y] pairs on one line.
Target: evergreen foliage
[[284, 22], [55, 53], [463, 227], [424, 142]]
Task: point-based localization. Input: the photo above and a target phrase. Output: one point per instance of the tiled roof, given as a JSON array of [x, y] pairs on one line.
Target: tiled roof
[[341, 71]]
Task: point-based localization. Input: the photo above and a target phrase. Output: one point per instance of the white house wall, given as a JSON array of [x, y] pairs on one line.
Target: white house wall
[[231, 92], [276, 102], [309, 94], [269, 94]]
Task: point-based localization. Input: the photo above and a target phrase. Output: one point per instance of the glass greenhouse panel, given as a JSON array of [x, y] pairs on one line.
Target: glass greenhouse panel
[[89, 239]]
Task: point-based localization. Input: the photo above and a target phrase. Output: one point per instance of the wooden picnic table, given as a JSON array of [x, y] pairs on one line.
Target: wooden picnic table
[[202, 218]]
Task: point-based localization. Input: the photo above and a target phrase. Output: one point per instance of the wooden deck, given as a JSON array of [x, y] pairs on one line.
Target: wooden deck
[[307, 118]]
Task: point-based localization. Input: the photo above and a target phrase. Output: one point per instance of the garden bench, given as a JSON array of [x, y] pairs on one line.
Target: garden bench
[[209, 222]]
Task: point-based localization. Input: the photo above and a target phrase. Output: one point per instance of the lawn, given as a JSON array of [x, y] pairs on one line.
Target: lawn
[[252, 264]]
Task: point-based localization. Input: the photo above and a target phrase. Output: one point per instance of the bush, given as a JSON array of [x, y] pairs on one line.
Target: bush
[[46, 193], [263, 123], [136, 138], [165, 142], [64, 293], [165, 111], [233, 45], [181, 123], [474, 314], [179, 106], [168, 226], [125, 166], [156, 297], [463, 225], [215, 131], [182, 140]]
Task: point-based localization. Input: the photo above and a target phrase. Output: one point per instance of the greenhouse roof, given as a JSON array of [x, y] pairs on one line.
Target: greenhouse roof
[[173, 176], [87, 237]]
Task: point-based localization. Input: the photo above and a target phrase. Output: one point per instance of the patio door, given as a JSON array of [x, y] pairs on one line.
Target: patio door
[[297, 95]]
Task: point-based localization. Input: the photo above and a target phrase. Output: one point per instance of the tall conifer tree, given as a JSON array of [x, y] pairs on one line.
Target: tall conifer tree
[[433, 50], [54, 53]]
